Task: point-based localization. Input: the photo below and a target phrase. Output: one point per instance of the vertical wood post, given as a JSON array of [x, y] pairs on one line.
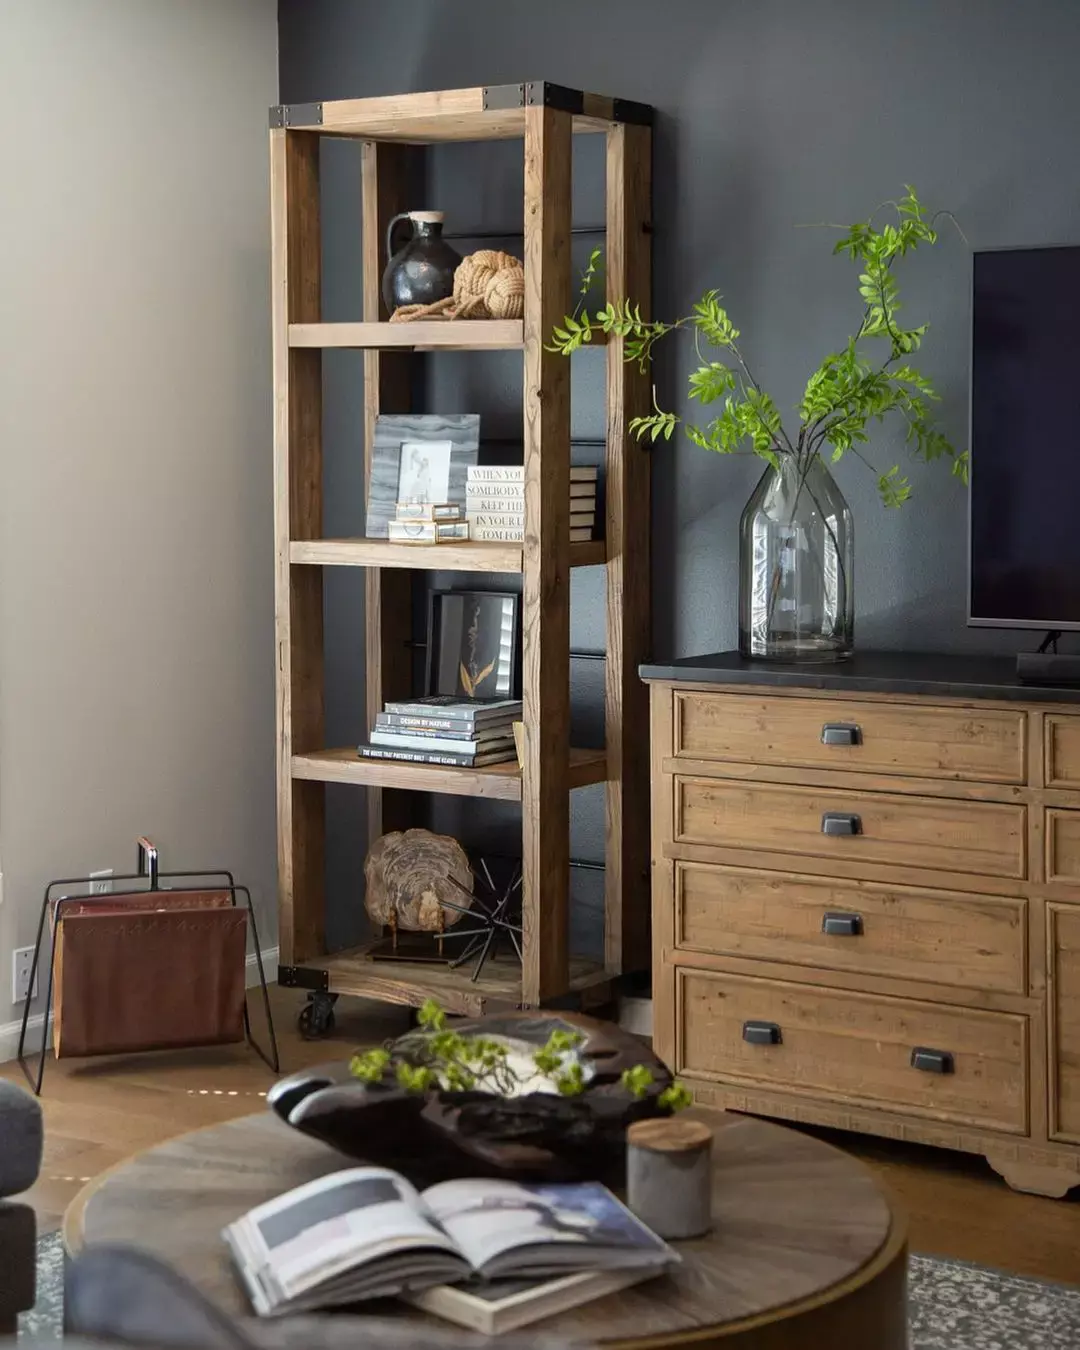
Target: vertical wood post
[[629, 276], [665, 990], [387, 591], [296, 284], [545, 801], [1042, 1095]]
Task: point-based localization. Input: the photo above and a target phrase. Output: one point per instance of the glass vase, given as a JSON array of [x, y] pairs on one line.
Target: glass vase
[[796, 557]]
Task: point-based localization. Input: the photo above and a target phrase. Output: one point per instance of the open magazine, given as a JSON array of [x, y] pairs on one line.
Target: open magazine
[[367, 1233]]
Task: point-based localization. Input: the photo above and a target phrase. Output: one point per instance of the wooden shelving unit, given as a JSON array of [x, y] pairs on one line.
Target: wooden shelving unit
[[545, 117]]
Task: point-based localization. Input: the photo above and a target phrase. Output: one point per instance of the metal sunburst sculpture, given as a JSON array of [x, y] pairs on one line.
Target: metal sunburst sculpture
[[493, 916]]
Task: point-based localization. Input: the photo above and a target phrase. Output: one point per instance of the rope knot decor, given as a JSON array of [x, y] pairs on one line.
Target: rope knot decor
[[488, 284]]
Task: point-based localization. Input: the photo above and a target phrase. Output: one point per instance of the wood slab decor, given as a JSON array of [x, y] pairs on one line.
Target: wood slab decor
[[436, 1136], [409, 876]]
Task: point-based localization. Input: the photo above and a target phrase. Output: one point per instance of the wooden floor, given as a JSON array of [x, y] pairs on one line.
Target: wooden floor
[[98, 1112]]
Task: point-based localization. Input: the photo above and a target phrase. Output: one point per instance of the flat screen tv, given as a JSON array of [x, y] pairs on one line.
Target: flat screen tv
[[1025, 439]]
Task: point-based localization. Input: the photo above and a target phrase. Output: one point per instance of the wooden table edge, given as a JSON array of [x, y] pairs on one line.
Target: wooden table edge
[[893, 1250], [71, 1228]]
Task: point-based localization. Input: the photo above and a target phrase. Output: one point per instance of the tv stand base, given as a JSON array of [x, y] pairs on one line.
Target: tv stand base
[[1047, 668]]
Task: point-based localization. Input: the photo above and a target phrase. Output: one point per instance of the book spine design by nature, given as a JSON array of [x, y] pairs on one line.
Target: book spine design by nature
[[437, 726], [441, 726]]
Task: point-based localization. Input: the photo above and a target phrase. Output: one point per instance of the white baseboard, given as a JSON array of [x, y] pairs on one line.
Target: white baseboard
[[270, 964], [9, 1031]]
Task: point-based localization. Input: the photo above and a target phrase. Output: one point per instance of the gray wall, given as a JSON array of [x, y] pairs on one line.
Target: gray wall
[[770, 116], [136, 538]]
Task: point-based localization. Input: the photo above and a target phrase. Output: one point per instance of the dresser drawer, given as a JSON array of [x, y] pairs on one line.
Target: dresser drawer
[[1063, 847], [915, 739], [985, 838], [968, 941], [1061, 750], [856, 1048], [1064, 969]]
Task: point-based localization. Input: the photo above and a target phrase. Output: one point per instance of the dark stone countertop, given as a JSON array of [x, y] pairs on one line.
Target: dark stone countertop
[[930, 673]]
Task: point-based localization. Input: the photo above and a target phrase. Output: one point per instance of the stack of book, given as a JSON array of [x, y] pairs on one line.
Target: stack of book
[[495, 502], [446, 729]]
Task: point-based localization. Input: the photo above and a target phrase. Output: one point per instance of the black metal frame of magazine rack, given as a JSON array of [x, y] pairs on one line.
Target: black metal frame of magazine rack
[[220, 878]]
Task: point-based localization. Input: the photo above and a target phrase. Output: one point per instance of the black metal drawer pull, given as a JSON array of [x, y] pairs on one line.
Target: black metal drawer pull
[[761, 1033], [841, 822], [932, 1061], [841, 733], [841, 925]]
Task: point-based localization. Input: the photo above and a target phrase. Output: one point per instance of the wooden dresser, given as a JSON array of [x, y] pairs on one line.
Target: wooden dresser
[[866, 900]]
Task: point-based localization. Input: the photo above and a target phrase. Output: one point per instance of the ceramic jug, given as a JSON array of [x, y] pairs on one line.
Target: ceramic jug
[[422, 270]]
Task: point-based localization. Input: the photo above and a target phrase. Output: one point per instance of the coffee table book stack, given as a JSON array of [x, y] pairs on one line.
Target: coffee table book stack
[[495, 502], [444, 729], [543, 119]]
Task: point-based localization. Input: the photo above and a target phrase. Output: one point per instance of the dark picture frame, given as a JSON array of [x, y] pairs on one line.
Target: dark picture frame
[[418, 457], [473, 639]]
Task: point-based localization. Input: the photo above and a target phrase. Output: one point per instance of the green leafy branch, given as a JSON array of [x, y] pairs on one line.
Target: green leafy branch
[[638, 1080], [842, 396], [448, 1060]]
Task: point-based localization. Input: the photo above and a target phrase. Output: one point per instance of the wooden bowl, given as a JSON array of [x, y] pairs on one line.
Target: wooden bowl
[[436, 1136]]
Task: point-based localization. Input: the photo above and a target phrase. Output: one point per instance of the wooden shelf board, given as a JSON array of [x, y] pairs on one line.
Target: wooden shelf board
[[462, 335], [411, 982], [442, 115], [473, 556], [502, 781]]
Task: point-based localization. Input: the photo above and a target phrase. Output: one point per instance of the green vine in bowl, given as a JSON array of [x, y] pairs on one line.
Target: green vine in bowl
[[460, 1063]]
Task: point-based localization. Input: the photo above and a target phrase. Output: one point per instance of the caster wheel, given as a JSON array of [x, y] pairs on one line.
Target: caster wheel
[[316, 1020]]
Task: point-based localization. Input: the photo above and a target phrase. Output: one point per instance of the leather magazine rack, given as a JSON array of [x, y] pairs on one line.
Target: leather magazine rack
[[150, 968]]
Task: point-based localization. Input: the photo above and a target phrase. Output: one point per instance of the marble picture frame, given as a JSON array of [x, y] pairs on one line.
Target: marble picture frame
[[425, 456]]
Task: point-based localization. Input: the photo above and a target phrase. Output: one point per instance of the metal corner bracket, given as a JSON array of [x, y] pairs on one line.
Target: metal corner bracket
[[304, 977], [534, 93], [296, 115]]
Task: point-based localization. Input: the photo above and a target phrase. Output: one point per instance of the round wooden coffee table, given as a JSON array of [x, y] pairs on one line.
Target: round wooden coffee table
[[805, 1251]]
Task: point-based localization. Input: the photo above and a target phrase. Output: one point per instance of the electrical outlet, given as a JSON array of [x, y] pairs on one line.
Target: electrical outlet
[[22, 958], [100, 882]]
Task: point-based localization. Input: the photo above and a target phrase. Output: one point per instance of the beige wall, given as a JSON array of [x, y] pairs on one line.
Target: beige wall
[[136, 606]]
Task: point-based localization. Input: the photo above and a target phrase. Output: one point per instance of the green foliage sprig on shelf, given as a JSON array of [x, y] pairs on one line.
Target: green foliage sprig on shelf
[[460, 1063], [841, 397]]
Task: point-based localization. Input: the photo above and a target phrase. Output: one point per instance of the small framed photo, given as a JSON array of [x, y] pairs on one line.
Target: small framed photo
[[418, 460], [472, 644]]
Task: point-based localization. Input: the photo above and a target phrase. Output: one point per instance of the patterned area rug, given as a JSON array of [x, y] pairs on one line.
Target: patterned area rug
[[46, 1319], [953, 1306]]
